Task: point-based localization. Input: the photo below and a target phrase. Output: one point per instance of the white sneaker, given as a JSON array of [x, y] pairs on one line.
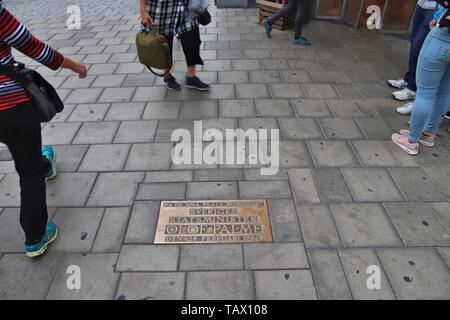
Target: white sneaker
[[400, 84], [404, 95], [405, 109]]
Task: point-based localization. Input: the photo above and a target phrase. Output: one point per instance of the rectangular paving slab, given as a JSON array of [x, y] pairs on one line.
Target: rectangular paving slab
[[285, 285]]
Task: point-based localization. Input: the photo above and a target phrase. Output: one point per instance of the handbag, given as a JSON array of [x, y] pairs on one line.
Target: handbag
[[204, 18], [43, 96], [153, 50]]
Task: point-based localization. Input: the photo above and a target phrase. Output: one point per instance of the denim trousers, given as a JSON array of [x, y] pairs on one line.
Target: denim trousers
[[300, 6], [433, 84]]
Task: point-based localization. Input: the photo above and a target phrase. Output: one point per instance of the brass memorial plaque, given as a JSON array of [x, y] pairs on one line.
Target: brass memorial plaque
[[217, 221]]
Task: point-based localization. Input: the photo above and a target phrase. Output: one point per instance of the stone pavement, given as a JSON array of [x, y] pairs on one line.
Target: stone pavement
[[344, 199]]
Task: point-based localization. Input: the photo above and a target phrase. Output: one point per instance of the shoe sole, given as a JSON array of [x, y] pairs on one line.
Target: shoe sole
[[407, 99], [397, 87], [44, 247], [197, 88], [412, 153], [403, 113]]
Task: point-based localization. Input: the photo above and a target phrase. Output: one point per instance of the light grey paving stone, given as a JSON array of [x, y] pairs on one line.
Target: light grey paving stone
[[10, 190], [142, 224], [217, 65], [125, 111], [330, 77], [445, 253], [283, 217], [371, 185], [382, 154], [162, 110], [442, 211], [364, 225], [264, 189], [105, 81], [375, 129], [317, 226], [416, 273], [70, 189], [344, 108], [96, 132], [285, 285], [224, 190], [440, 175], [256, 174], [79, 227], [300, 129], [150, 156], [275, 256], [331, 185], [294, 154], [77, 83], [97, 58], [415, 184], [19, 274], [246, 64], [332, 154], [117, 95], [136, 131], [303, 186], [128, 68], [122, 57], [115, 189], [146, 94], [112, 230], [12, 237], [148, 258], [284, 54], [217, 91], [89, 112], [275, 64], [417, 224], [329, 275], [257, 53], [295, 76], [258, 123], [211, 257], [304, 65], [69, 157], [266, 76], [199, 110], [161, 191], [252, 91], [170, 176], [109, 157], [340, 128], [230, 54], [98, 280], [90, 95], [64, 115], [151, 286], [220, 285], [218, 175], [118, 48], [90, 48], [286, 90], [273, 108], [59, 133], [237, 108], [233, 77], [311, 108], [139, 80], [356, 263]]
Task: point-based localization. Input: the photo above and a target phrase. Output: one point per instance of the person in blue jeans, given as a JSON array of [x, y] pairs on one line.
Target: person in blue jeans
[[423, 15], [300, 6], [433, 89]]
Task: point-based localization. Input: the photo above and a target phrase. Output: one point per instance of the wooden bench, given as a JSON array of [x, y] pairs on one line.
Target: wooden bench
[[268, 8]]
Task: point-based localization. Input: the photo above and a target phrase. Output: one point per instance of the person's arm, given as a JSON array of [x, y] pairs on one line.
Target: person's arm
[[145, 17], [16, 35]]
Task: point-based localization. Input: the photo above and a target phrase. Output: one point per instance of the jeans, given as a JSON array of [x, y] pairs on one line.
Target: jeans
[[421, 20], [433, 84], [300, 6], [20, 130]]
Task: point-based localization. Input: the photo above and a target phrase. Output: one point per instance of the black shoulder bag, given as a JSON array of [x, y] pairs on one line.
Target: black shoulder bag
[[43, 96]]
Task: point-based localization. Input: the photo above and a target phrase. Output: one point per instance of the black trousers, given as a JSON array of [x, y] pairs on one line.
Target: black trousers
[[20, 130], [190, 42]]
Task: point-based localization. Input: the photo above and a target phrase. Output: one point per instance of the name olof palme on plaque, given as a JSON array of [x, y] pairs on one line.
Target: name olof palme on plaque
[[213, 221]]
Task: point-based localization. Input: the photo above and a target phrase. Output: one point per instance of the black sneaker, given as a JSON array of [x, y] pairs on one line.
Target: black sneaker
[[196, 83], [171, 83]]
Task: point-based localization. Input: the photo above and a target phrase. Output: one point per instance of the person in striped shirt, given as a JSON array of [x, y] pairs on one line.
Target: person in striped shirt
[[20, 130]]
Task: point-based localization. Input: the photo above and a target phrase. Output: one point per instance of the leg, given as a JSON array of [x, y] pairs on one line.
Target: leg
[[300, 18], [170, 42], [190, 43], [291, 6]]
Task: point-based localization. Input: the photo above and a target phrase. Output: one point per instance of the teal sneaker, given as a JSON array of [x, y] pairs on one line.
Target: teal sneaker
[[268, 26], [301, 41], [50, 235], [49, 153]]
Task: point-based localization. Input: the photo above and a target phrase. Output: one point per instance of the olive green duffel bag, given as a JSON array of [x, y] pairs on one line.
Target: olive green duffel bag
[[153, 50]]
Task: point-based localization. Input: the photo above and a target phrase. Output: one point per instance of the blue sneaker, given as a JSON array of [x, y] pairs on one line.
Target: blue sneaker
[[49, 153], [302, 41], [196, 83], [268, 26], [50, 235]]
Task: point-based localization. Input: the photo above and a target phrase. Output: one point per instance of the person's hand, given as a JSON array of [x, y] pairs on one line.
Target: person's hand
[[75, 66], [432, 23], [146, 19]]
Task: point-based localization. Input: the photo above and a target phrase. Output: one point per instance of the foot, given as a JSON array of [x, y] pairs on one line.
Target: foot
[[402, 141], [50, 235], [447, 115], [301, 41], [425, 140], [171, 83], [49, 153], [196, 83], [399, 84], [268, 27], [404, 95], [406, 108]]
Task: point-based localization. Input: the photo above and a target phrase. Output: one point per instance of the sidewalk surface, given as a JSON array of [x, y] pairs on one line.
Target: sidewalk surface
[[345, 198]]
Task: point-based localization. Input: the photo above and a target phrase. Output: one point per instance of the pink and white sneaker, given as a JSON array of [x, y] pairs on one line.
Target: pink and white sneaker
[[403, 142], [427, 141]]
